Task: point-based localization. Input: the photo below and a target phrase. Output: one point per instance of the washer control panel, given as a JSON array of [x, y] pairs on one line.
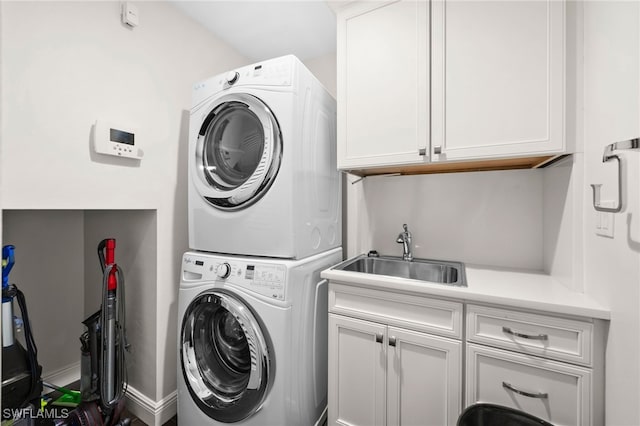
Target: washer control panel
[[267, 279], [223, 270]]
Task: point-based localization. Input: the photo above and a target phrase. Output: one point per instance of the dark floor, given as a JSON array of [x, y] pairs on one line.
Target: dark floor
[[172, 422]]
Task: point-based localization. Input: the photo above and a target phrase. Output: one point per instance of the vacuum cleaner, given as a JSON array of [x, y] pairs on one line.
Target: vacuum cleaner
[[21, 373], [103, 382]]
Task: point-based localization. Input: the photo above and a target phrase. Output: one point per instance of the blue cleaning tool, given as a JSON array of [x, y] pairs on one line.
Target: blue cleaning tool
[[8, 260]]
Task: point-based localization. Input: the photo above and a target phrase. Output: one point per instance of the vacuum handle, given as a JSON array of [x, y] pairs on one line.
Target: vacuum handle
[[107, 256], [101, 247]]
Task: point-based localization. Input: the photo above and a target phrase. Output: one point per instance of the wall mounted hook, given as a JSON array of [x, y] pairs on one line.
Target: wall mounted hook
[[606, 156]]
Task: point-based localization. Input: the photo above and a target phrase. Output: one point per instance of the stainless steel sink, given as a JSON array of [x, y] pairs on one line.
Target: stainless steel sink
[[433, 271]]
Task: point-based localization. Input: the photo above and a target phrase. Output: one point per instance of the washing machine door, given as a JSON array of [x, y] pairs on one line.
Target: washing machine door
[[238, 152], [226, 356]]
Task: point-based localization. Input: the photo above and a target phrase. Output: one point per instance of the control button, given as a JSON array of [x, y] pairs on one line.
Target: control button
[[223, 270], [232, 77]]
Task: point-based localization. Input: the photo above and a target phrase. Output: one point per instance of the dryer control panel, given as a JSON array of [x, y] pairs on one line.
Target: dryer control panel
[[265, 278], [278, 72]]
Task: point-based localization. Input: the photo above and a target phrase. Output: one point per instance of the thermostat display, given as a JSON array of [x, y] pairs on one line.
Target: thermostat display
[[121, 137], [116, 140]]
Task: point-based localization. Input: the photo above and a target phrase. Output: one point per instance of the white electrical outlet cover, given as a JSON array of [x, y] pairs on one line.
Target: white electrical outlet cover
[[605, 220]]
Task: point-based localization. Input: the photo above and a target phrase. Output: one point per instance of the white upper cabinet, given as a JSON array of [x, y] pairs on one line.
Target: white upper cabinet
[[383, 86], [497, 70], [428, 82]]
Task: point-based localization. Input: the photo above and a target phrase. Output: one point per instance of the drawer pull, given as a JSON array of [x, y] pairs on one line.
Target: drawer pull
[[525, 336], [378, 337], [523, 393]]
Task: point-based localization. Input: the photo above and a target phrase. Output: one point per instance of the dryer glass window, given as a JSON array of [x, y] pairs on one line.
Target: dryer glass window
[[233, 146], [238, 152], [225, 357]]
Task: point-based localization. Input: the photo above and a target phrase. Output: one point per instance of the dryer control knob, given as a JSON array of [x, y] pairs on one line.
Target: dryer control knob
[[223, 270], [232, 77]]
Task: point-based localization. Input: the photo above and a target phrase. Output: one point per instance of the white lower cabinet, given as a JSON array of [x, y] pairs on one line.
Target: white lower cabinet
[[397, 359], [381, 374], [548, 366]]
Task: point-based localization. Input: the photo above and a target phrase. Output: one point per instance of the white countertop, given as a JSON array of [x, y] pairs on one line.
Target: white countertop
[[511, 288]]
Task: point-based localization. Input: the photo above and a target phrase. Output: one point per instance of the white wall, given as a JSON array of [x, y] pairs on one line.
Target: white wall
[[66, 64], [562, 221], [49, 270], [324, 68], [612, 265], [488, 218]]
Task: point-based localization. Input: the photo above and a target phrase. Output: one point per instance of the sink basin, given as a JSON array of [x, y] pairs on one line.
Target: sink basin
[[433, 271]]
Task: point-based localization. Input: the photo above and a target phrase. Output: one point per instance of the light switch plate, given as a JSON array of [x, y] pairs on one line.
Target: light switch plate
[[605, 220]]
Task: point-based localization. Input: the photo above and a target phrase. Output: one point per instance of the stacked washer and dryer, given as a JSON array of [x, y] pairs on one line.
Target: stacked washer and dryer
[[264, 220]]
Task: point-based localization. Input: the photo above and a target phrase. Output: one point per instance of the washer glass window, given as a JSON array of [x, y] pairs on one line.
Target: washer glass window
[[225, 357]]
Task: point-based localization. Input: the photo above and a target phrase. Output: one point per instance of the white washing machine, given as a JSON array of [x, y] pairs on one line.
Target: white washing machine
[[252, 341], [263, 179]]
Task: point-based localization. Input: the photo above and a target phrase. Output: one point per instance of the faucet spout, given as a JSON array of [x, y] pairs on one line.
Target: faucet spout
[[404, 238]]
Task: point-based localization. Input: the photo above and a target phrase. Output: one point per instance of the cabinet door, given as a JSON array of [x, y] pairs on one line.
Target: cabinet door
[[497, 78], [423, 378], [357, 361], [383, 90]]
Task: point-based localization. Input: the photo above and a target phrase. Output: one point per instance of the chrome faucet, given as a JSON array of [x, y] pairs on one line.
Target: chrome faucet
[[404, 238]]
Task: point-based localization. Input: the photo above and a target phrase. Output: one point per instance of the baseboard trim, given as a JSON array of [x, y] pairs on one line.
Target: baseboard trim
[[149, 411], [64, 376]]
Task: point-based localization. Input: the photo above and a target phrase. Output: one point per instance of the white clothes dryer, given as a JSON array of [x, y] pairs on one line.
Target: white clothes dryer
[[262, 168], [252, 340]]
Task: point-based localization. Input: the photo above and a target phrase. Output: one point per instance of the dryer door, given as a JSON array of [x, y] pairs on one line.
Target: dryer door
[[238, 152], [226, 356]]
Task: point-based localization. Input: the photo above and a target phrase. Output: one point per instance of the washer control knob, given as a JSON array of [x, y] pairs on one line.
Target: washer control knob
[[232, 77], [223, 270]]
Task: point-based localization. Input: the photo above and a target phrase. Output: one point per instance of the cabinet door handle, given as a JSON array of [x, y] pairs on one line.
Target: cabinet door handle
[[378, 337], [437, 149], [525, 336], [523, 393], [392, 341], [422, 152]]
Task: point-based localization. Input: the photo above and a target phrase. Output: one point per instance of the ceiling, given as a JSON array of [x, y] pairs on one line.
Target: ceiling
[[266, 29]]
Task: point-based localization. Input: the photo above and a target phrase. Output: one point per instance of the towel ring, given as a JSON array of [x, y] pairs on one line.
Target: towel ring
[[606, 156]]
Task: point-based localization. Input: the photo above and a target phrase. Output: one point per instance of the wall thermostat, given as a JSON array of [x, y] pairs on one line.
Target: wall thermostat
[[117, 140]]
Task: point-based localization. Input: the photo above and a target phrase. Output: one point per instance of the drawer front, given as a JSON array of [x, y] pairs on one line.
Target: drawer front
[[441, 317], [551, 337], [555, 392]]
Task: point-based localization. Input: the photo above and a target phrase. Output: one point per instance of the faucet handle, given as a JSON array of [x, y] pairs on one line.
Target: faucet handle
[[406, 228]]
